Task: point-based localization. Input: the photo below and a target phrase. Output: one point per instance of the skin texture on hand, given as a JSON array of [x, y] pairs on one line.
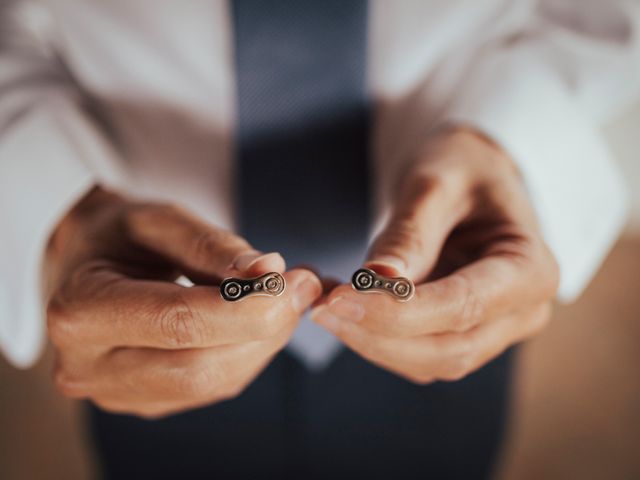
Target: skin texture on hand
[[130, 339], [464, 231]]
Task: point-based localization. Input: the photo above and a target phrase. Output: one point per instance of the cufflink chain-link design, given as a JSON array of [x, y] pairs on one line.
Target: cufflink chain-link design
[[366, 280], [270, 284]]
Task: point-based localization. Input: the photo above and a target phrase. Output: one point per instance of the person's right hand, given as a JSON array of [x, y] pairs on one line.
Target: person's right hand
[[130, 339]]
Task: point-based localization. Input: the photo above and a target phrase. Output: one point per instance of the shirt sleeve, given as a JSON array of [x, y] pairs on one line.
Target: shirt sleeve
[[542, 90], [51, 153]]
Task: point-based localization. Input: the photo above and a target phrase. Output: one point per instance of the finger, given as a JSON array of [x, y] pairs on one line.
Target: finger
[[140, 374], [153, 383], [153, 406], [490, 287], [201, 250], [425, 213], [403, 356], [490, 340], [113, 310], [447, 356]]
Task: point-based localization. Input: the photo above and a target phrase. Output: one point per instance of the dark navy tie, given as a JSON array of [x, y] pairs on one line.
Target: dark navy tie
[[303, 135]]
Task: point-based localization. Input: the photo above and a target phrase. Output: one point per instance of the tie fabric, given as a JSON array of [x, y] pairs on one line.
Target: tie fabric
[[303, 140]]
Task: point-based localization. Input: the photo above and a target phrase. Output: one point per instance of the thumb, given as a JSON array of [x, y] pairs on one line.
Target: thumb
[[201, 251], [422, 219]]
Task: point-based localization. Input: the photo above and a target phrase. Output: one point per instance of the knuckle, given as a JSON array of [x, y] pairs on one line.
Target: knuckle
[[179, 324]]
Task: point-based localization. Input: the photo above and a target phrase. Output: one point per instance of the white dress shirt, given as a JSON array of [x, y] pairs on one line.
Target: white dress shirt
[[138, 95]]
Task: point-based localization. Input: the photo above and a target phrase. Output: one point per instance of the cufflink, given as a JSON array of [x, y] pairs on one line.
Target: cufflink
[[270, 284], [366, 280]]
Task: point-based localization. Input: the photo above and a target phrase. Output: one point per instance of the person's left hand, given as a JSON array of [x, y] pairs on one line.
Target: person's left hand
[[464, 231]]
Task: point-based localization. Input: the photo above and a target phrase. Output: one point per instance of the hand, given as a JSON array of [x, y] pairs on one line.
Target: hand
[[464, 231], [133, 341]]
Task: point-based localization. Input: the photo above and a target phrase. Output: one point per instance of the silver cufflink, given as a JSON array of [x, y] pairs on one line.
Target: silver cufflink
[[365, 280], [270, 284]]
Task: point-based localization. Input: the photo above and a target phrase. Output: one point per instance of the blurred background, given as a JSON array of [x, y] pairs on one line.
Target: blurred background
[[576, 409]]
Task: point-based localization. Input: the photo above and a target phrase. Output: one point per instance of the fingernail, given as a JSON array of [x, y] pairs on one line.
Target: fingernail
[[324, 317], [305, 293], [245, 261], [387, 261], [346, 309]]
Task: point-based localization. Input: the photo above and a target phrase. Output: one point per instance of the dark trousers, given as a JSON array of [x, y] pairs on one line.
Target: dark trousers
[[352, 420]]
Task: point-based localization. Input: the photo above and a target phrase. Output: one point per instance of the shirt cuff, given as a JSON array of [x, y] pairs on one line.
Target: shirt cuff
[[44, 170], [576, 190]]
